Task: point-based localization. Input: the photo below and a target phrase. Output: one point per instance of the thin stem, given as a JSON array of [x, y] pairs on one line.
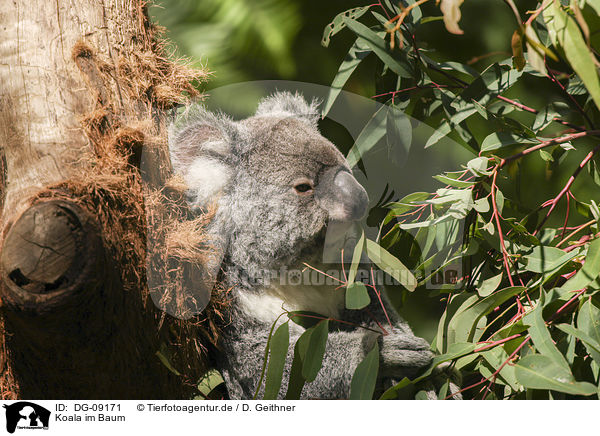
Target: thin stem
[[574, 232], [496, 343], [324, 273], [513, 354]]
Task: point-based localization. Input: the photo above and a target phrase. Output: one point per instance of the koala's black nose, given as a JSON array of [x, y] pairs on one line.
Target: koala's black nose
[[340, 194]]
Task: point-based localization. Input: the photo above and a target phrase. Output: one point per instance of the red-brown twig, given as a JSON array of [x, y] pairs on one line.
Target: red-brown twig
[[552, 203], [548, 143]]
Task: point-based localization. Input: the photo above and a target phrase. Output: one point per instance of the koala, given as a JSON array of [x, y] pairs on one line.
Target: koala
[[276, 185]]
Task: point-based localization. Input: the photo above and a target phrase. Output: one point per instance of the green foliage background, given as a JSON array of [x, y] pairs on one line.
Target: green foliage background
[[519, 92]]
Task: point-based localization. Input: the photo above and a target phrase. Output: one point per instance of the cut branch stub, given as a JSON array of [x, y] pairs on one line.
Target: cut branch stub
[[49, 252]]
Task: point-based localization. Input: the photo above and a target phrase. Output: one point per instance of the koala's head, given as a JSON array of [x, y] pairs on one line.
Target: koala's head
[[276, 181]]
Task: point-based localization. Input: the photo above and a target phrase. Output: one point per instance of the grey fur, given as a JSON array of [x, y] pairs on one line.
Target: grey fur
[[263, 225]]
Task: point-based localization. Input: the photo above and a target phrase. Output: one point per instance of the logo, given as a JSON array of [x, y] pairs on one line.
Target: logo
[[26, 415]]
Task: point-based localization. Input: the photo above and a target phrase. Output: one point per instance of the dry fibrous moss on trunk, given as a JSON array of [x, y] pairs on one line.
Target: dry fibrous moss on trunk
[[105, 337]]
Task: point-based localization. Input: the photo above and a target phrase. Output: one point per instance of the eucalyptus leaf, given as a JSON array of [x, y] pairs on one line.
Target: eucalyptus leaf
[[311, 364], [356, 255], [592, 346], [542, 339], [355, 56], [464, 323], [357, 296], [399, 135], [364, 379], [590, 270], [278, 349], [371, 134], [489, 285], [537, 371], [338, 23], [391, 265], [398, 65], [208, 382], [566, 34], [297, 380], [496, 140], [545, 259], [588, 321]]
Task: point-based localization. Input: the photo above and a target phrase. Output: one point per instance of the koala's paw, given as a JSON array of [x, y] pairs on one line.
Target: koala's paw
[[403, 355]]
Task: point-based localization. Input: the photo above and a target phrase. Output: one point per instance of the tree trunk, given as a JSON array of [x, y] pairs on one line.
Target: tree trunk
[[84, 92]]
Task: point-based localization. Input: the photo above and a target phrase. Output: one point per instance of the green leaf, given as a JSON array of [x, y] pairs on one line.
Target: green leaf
[[358, 250], [208, 382], [311, 364], [355, 56], [279, 344], [588, 321], [537, 371], [565, 33], [481, 205], [399, 66], [338, 23], [163, 356], [546, 115], [541, 337], [453, 182], [478, 166], [407, 203], [370, 135], [297, 380], [535, 50], [305, 318], [590, 270], [455, 351], [457, 303], [493, 81], [489, 285], [441, 131], [391, 265], [591, 345], [544, 259], [497, 140], [496, 357], [399, 135], [463, 325], [364, 379], [357, 296], [392, 393], [576, 86]]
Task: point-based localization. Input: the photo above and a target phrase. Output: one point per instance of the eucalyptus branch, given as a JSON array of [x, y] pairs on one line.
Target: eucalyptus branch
[[552, 203], [548, 143]]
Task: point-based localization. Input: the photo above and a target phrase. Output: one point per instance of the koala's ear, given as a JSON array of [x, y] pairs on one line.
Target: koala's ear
[[286, 104], [204, 150]]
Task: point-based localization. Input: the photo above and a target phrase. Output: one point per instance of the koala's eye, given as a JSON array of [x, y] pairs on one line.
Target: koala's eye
[[303, 187]]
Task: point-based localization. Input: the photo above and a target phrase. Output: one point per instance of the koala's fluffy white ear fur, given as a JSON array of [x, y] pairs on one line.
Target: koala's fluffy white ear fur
[[286, 104], [203, 149]]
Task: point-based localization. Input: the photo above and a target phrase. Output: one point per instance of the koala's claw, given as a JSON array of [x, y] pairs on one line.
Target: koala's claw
[[403, 355]]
